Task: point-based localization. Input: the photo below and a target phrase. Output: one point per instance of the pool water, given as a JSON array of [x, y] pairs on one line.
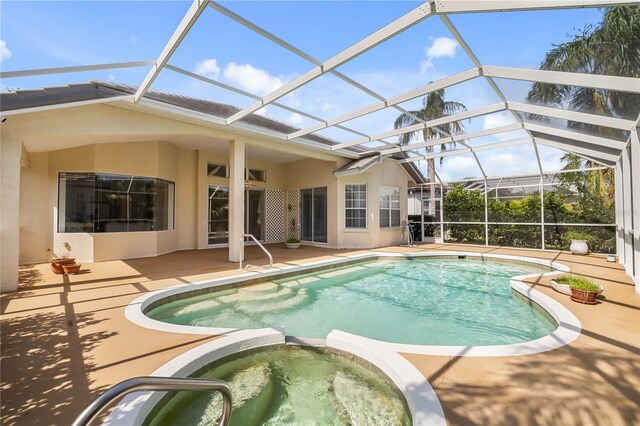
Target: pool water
[[289, 386], [420, 301]]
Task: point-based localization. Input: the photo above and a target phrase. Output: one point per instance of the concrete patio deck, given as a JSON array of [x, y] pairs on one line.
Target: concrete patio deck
[[65, 339]]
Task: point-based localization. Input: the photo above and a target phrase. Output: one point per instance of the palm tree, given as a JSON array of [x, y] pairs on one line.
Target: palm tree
[[434, 106], [610, 48]]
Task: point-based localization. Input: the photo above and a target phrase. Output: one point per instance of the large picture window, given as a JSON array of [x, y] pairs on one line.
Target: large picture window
[[355, 206], [92, 202], [389, 207]]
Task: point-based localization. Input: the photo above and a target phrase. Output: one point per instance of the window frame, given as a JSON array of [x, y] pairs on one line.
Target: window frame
[[226, 170], [170, 207], [389, 209], [365, 208]]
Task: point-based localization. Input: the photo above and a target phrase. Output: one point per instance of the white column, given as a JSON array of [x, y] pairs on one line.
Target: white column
[[10, 151], [619, 200], [635, 192], [627, 212], [236, 200]]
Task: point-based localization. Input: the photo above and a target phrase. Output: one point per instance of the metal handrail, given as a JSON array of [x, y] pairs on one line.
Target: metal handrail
[[148, 383], [263, 249]]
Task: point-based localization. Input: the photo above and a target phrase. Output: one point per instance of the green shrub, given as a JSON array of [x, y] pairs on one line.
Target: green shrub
[[293, 240], [579, 283]]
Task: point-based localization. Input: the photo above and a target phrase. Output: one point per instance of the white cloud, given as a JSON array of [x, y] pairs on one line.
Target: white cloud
[[251, 79], [458, 167], [112, 77], [441, 47], [326, 106], [295, 119], [5, 53], [133, 39], [208, 68], [497, 120], [262, 111]]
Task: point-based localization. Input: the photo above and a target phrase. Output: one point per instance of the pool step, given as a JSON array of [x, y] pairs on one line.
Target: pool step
[[250, 296], [299, 297]]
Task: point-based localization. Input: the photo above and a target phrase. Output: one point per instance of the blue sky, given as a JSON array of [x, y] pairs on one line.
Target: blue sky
[[54, 34]]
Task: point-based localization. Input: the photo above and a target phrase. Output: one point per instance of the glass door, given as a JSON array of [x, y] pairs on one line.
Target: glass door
[[218, 215], [254, 210], [313, 215]]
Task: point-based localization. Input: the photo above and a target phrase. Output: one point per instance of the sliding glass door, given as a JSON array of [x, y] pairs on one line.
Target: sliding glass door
[[313, 215]]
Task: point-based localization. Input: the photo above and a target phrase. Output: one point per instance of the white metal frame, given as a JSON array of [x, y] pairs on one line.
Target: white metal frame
[[603, 150]]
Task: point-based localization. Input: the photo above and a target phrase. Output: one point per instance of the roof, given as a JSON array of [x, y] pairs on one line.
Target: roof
[[96, 89]]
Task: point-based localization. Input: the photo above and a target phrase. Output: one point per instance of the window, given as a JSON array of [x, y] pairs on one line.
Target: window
[[217, 170], [256, 175], [90, 202], [389, 207], [355, 206]]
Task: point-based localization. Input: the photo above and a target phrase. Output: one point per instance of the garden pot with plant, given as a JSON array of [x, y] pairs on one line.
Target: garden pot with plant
[[581, 289], [293, 243], [58, 263]]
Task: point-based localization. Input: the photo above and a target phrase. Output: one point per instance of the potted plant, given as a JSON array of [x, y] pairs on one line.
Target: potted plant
[[57, 265], [579, 242], [582, 290], [71, 268], [293, 243]]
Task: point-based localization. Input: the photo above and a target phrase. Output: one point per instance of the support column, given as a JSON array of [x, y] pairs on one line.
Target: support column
[[236, 199], [10, 151]]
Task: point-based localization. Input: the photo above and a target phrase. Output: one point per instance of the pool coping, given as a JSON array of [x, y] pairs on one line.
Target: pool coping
[[568, 330], [423, 404]]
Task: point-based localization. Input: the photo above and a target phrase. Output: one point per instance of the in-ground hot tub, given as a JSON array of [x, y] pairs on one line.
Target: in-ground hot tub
[[289, 385], [277, 383]]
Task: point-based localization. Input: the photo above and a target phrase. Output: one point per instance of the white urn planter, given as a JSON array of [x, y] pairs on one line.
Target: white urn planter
[[579, 247], [292, 245]]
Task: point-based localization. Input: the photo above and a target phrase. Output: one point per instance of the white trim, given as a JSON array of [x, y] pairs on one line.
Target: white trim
[[577, 136], [568, 330], [80, 68], [455, 138], [595, 119], [406, 96], [406, 21], [489, 109], [577, 149], [606, 82], [189, 19], [469, 6], [366, 208]]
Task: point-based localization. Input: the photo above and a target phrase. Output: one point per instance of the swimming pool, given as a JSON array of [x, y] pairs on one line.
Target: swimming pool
[[418, 301]]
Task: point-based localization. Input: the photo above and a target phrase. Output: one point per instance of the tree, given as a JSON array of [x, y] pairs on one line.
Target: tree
[[434, 106], [610, 48]]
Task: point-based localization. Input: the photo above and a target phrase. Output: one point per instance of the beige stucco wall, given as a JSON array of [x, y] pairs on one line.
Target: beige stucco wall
[[388, 173], [313, 173], [30, 195]]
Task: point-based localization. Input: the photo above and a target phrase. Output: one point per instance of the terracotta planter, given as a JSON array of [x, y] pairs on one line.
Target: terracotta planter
[[72, 268], [57, 264], [566, 289], [579, 247], [584, 296]]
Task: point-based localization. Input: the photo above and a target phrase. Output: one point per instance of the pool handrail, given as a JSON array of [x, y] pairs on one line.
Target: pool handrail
[[259, 245], [153, 383]]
